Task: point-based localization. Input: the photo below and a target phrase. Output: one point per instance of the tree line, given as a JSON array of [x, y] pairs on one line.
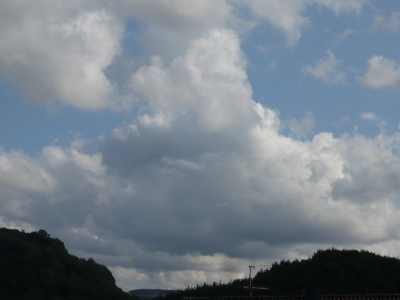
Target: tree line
[[327, 272]]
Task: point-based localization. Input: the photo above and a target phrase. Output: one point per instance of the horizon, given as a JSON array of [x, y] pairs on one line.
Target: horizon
[[175, 141]]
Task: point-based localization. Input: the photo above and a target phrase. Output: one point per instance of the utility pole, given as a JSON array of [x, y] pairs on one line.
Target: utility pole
[[253, 266]]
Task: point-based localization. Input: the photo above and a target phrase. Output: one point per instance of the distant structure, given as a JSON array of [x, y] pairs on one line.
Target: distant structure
[[253, 266]]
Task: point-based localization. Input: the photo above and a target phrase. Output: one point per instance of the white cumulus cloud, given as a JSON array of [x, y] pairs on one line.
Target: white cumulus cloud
[[201, 179], [64, 52], [382, 72], [213, 70], [60, 53], [196, 199]]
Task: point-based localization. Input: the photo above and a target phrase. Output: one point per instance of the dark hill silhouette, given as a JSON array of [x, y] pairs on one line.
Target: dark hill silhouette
[[337, 272], [36, 266], [327, 272]]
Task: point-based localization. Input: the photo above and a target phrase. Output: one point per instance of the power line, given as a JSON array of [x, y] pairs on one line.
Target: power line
[[253, 266]]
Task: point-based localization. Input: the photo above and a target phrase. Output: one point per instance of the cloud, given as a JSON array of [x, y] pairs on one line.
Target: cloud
[[68, 53], [288, 17], [179, 16], [19, 172], [163, 203], [391, 24], [284, 15], [343, 6], [171, 25], [202, 180], [382, 72], [327, 69], [369, 116], [63, 52], [363, 183], [301, 128], [344, 35], [60, 53], [222, 86]]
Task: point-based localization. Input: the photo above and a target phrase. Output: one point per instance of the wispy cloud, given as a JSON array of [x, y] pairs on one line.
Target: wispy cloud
[[369, 116], [288, 16], [391, 24], [345, 34], [327, 69]]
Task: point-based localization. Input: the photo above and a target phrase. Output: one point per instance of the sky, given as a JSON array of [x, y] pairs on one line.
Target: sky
[[176, 141]]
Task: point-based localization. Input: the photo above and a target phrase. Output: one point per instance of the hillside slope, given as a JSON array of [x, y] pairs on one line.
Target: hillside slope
[[36, 266]]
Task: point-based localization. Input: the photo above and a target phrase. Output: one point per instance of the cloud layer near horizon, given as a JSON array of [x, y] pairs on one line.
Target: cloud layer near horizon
[[203, 179]]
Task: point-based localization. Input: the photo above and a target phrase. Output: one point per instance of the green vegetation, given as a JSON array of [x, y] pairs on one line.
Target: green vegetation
[[36, 266], [329, 271], [337, 272], [233, 288]]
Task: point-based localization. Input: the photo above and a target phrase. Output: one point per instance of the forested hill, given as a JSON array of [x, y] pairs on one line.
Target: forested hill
[[329, 271], [36, 266], [336, 272]]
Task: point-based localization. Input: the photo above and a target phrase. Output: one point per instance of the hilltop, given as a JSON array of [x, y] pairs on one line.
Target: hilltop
[[337, 272], [37, 266], [328, 271]]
